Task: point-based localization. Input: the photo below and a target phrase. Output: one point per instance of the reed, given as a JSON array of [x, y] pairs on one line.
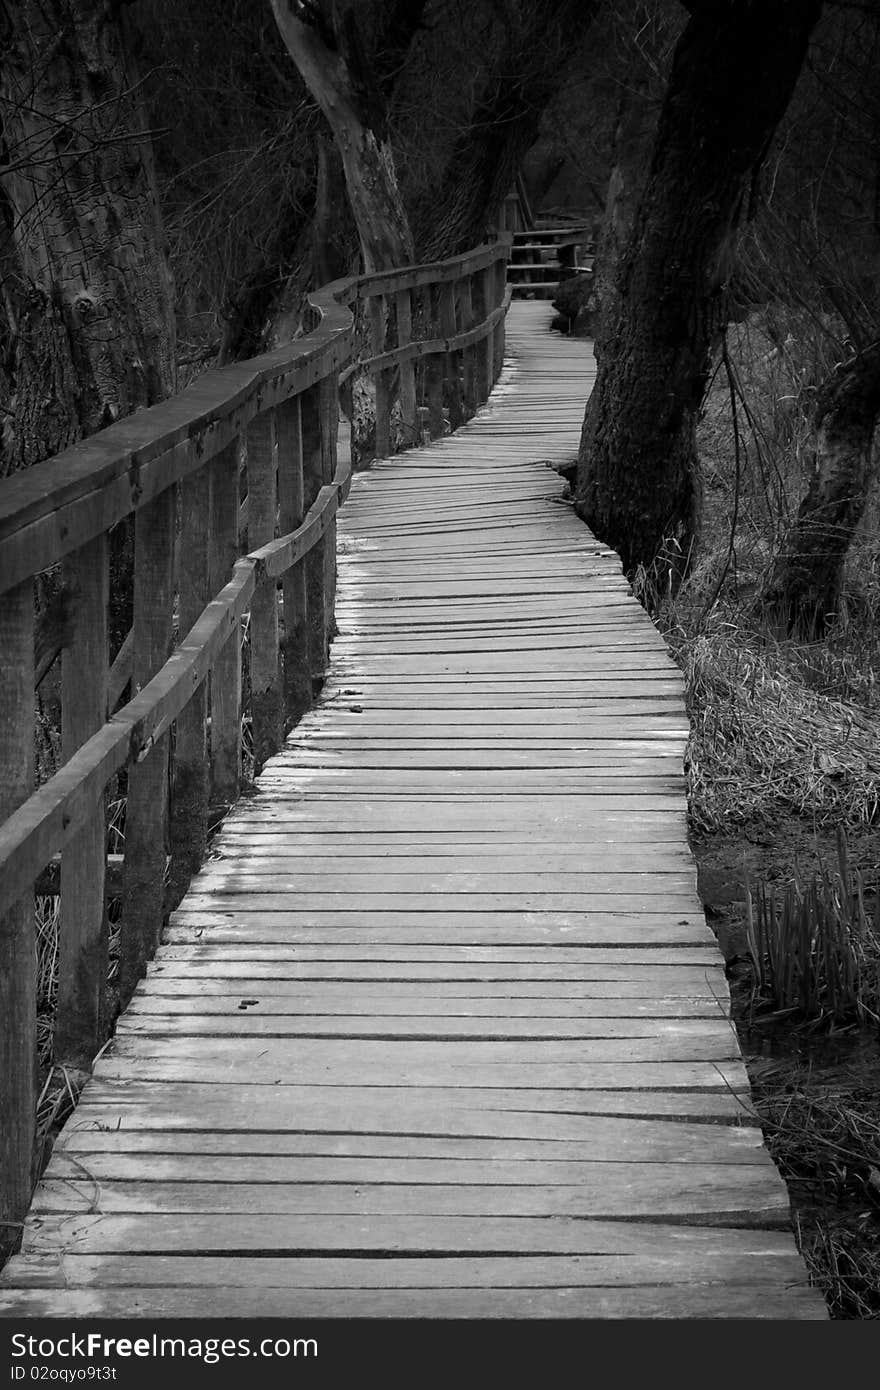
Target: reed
[[815, 949]]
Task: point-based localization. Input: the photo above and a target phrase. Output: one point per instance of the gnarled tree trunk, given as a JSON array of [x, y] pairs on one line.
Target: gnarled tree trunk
[[646, 32], [485, 159], [804, 586], [733, 72], [93, 298], [328, 56]]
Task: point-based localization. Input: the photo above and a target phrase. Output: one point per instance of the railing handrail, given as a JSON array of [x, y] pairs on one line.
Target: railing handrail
[[176, 468], [145, 454], [47, 511]]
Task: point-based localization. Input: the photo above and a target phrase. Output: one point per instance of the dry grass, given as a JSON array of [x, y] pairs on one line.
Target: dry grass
[[764, 739], [785, 747], [47, 916], [777, 726], [826, 1143]]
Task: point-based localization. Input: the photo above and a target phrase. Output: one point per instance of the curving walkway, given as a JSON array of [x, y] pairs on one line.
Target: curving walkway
[[440, 1030]]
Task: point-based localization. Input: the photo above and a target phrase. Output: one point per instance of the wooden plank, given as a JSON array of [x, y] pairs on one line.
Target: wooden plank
[[247, 1021], [746, 1195], [411, 1015], [634, 760], [313, 481], [685, 1266], [18, 1012], [619, 998], [291, 508], [666, 1301], [669, 1043], [549, 1112], [189, 795], [451, 361], [473, 1162], [329, 389], [273, 559], [604, 1137], [146, 819], [226, 671], [263, 966], [83, 929], [265, 673], [550, 904], [233, 847], [88, 1235], [573, 1078], [346, 935], [409, 417], [502, 297], [272, 875], [433, 366], [381, 376]]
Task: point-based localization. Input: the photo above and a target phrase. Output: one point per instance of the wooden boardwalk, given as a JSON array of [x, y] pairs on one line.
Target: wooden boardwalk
[[439, 1029]]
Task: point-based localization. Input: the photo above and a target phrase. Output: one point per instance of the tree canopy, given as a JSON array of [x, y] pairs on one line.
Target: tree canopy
[[171, 186]]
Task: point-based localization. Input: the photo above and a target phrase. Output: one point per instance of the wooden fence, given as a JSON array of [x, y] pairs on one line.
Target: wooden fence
[[254, 442]]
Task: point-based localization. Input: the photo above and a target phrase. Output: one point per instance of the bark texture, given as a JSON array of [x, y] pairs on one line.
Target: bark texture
[[804, 587], [95, 329], [326, 45], [520, 82], [733, 72]]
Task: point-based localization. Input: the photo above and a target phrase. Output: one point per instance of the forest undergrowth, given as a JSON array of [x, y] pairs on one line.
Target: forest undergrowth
[[783, 777]]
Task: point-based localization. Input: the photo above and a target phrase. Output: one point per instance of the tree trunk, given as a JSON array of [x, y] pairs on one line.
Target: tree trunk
[[95, 310], [488, 155], [805, 584], [361, 135], [644, 34], [332, 241], [733, 72]]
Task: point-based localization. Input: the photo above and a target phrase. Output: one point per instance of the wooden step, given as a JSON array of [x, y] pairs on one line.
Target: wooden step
[[543, 289]]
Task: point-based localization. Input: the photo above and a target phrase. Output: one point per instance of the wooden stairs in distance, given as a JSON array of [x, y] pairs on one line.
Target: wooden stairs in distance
[[546, 253]]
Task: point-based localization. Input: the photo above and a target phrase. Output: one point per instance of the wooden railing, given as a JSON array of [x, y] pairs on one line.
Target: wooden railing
[[255, 440]]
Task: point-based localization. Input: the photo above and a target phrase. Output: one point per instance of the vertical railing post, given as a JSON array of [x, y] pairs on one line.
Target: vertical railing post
[[146, 814], [189, 788], [83, 934], [500, 269], [381, 379], [329, 444], [451, 360], [408, 410], [262, 512], [18, 1009], [469, 373], [487, 344], [434, 365], [481, 372], [295, 646], [226, 671], [313, 481]]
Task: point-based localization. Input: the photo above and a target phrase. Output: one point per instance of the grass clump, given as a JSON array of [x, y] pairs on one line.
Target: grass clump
[[765, 738], [815, 952], [825, 1140]]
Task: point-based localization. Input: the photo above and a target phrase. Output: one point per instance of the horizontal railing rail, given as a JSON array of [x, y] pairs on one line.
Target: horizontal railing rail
[[254, 446]]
